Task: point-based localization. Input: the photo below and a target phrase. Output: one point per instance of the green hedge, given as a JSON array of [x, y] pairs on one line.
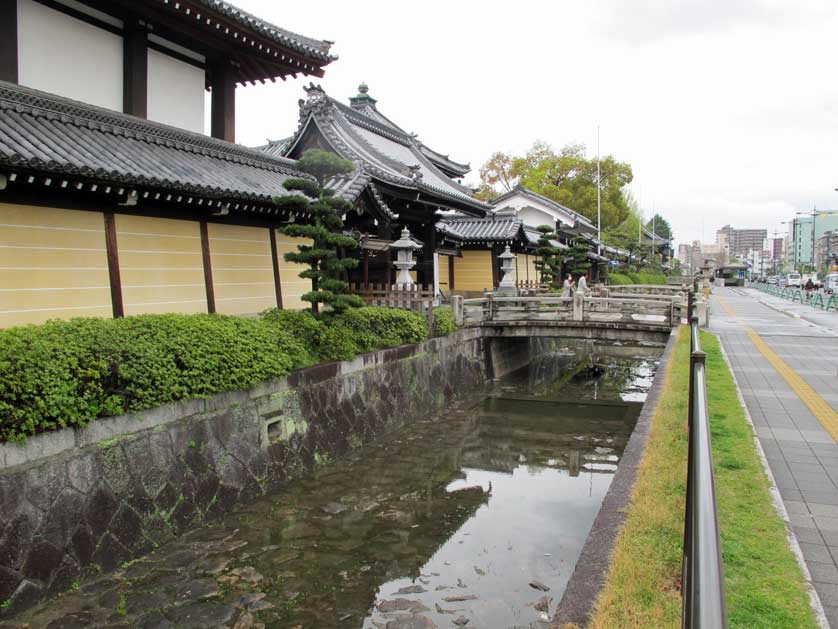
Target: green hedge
[[69, 373], [444, 321], [620, 279]]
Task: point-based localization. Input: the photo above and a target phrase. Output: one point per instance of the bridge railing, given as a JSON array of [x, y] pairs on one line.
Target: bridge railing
[[579, 308], [702, 583]]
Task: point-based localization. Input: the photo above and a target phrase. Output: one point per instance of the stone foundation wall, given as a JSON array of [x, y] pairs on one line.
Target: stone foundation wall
[[98, 496]]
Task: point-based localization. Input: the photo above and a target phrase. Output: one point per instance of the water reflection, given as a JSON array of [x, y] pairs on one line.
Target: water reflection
[[479, 515]]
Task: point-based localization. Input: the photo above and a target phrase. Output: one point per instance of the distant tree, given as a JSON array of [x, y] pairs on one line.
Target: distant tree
[[498, 171], [661, 225], [321, 256], [485, 192], [549, 263], [567, 176]]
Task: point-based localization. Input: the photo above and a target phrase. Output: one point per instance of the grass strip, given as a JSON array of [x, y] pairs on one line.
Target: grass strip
[[763, 583]]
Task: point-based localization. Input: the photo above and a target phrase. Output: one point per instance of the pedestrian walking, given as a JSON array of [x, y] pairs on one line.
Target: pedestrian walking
[[567, 289], [582, 285]]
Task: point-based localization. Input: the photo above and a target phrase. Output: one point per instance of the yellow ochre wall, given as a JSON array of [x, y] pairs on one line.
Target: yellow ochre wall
[[526, 268], [443, 273], [160, 264], [53, 264], [242, 268], [473, 272], [293, 286]]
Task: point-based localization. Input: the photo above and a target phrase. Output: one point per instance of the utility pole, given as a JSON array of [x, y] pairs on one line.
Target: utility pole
[[598, 199]]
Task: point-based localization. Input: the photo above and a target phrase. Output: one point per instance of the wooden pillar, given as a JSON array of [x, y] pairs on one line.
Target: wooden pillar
[[366, 269], [113, 265], [8, 40], [135, 70], [450, 273], [275, 257], [385, 232], [223, 102], [495, 269], [205, 256], [425, 267]]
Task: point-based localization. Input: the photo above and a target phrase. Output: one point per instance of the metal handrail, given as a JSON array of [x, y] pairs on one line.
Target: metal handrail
[[703, 576]]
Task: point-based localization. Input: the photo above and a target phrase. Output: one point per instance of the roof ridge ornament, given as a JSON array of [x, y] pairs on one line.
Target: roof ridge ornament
[[362, 100]]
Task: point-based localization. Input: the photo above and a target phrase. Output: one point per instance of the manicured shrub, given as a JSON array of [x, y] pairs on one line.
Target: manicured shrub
[[69, 373], [375, 327], [618, 279], [65, 373], [444, 321]]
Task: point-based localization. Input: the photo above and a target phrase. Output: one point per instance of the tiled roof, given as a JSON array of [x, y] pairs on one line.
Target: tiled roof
[[380, 149], [48, 134], [492, 228], [310, 47]]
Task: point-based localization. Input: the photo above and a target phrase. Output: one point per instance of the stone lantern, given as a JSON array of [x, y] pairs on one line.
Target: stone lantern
[[404, 248], [507, 283]]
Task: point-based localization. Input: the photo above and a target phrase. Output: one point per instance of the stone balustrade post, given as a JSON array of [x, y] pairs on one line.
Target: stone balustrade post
[[457, 307], [578, 306]]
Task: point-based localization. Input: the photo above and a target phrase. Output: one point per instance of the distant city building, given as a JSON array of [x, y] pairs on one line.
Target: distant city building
[[740, 242], [804, 228], [777, 248], [826, 249]]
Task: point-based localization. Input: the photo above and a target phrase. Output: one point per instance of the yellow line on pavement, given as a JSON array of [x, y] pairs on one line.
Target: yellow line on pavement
[[819, 407]]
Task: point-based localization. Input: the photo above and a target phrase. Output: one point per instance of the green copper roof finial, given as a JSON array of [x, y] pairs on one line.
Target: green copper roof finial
[[363, 99]]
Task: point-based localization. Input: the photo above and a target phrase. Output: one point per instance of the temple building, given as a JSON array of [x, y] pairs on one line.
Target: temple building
[[398, 182], [113, 200]]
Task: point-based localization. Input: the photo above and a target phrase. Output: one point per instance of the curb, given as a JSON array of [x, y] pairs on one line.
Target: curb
[[779, 506], [788, 313]]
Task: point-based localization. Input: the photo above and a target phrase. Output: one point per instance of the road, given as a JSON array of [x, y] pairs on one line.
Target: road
[[787, 370]]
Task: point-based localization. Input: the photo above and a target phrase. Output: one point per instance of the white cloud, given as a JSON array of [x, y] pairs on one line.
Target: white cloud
[[726, 110]]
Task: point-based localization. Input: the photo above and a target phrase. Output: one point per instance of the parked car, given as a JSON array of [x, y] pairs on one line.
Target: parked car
[[793, 279], [830, 283], [782, 282], [773, 279]]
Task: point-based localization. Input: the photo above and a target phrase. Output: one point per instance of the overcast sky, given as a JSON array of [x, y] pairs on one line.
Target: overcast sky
[[727, 110]]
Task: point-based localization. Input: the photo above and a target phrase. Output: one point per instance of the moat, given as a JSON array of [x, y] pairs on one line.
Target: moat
[[474, 518]]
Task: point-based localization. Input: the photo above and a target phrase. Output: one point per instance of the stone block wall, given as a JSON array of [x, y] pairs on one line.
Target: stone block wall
[[98, 496]]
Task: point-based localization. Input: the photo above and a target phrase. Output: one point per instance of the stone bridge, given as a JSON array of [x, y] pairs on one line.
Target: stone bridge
[[604, 314]]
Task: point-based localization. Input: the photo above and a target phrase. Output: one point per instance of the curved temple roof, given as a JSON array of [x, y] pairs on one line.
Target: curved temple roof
[[380, 149]]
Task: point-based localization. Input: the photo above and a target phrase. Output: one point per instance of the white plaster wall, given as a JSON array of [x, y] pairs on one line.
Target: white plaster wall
[[175, 92], [62, 55], [536, 218]]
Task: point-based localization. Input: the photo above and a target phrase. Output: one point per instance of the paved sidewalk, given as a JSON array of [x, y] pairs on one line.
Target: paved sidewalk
[[801, 452]]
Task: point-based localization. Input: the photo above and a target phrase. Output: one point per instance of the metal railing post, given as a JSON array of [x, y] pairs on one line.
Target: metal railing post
[[703, 576]]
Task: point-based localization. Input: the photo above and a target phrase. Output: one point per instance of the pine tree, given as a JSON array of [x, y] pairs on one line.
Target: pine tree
[[549, 264], [579, 263], [321, 256]]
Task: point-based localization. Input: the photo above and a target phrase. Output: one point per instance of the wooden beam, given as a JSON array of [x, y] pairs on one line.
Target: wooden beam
[[205, 256], [113, 265], [8, 40], [135, 70], [223, 102], [450, 273], [275, 258]]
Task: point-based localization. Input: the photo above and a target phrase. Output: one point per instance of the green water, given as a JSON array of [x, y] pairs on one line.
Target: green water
[[472, 507]]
